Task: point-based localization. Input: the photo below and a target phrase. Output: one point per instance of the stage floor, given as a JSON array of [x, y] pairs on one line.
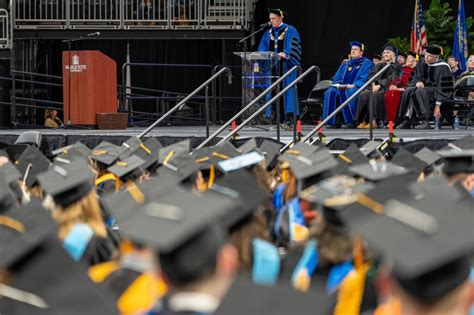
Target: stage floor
[[249, 132]]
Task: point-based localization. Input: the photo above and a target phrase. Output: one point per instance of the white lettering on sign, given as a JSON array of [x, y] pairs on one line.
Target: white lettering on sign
[[76, 65]]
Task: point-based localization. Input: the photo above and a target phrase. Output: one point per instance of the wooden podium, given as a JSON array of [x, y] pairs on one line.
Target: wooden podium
[[93, 86]]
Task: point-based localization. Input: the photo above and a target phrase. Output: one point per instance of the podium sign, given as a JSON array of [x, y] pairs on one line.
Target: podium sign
[[89, 84], [259, 70]]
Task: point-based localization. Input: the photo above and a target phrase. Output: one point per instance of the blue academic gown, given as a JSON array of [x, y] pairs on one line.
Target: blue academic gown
[[292, 48], [356, 72]]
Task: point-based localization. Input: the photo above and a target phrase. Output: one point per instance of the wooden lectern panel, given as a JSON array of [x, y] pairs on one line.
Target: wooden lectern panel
[[92, 86]]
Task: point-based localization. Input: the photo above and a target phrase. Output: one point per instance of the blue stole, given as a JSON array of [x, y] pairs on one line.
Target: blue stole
[[77, 240]]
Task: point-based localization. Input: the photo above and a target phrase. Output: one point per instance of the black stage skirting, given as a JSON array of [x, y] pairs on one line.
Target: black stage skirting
[[54, 140]]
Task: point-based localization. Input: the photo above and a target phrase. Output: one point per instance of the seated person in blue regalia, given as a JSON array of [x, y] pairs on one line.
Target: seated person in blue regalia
[[284, 40], [347, 80]]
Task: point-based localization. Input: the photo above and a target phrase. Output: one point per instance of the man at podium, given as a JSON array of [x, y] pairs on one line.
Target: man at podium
[[284, 39]]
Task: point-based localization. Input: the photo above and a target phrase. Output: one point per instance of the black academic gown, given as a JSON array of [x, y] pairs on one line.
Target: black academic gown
[[98, 250], [439, 86], [384, 81]]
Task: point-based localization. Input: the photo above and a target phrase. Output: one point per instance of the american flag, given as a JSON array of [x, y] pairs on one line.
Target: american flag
[[418, 30]]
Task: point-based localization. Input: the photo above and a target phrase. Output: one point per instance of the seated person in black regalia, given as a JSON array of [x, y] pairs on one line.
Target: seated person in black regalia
[[377, 91], [402, 58], [431, 85]]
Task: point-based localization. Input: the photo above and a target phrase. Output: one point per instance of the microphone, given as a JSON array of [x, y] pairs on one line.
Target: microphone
[[266, 25], [96, 34]]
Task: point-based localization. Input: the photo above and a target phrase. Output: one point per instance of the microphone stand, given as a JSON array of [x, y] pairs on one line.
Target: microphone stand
[[243, 42], [69, 42]]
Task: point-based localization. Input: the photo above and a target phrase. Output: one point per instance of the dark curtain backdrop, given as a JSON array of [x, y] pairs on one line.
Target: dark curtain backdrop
[[326, 26]]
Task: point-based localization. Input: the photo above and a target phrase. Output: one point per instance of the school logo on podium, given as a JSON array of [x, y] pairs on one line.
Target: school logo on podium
[[76, 65]]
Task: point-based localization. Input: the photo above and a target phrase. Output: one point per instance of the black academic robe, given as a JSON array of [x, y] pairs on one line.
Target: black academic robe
[[439, 87], [98, 250], [384, 81]]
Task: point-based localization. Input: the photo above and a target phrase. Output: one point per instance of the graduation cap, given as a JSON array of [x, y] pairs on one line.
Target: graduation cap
[[271, 151], [439, 186], [30, 164], [425, 244], [129, 146], [48, 281], [244, 297], [178, 169], [9, 173], [412, 53], [278, 12], [372, 148], [304, 166], [22, 230], [390, 47], [241, 161], [106, 153], [335, 194], [126, 168], [213, 155], [248, 146], [148, 151], [434, 50], [244, 191], [125, 202], [376, 171], [466, 142], [377, 56], [409, 161], [371, 202], [358, 44], [67, 183], [71, 153], [299, 149], [428, 156], [401, 53], [353, 156], [166, 153], [7, 196], [184, 228], [457, 160], [15, 150]]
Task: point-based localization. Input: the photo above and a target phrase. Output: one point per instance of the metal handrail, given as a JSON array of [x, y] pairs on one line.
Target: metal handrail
[[337, 110], [236, 116], [37, 74], [275, 98], [187, 98]]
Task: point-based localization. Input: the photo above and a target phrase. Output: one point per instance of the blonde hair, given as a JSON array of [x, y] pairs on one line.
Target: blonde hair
[[85, 210], [471, 58]]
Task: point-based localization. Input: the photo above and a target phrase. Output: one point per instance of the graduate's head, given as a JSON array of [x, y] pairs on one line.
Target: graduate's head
[[357, 49], [376, 59], [453, 62], [276, 17], [402, 60], [389, 53], [470, 63], [412, 58], [432, 54]]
